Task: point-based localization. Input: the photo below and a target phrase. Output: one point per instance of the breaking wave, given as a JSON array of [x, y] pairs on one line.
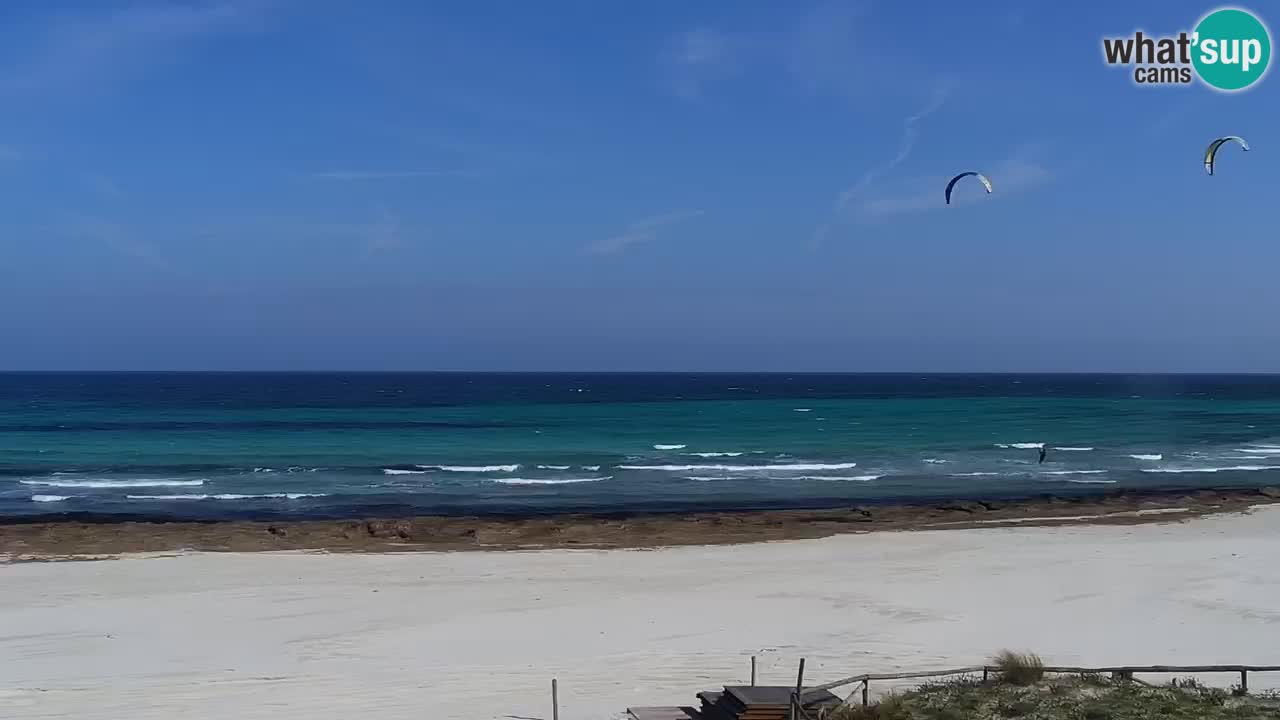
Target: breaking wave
[[230, 496], [536, 481], [741, 468], [105, 484], [48, 498], [471, 468], [1233, 468]]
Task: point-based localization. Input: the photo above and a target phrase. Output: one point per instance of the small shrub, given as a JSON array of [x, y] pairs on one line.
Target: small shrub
[[1019, 668], [1096, 712], [951, 713], [1214, 696], [1015, 708], [890, 707]]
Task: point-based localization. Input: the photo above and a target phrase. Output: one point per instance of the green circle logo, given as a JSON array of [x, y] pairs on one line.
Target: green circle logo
[[1232, 49]]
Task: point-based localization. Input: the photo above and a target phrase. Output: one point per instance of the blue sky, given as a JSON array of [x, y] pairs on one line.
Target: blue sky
[[603, 185]]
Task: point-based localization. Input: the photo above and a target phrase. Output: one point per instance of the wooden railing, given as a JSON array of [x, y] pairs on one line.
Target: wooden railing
[[1120, 672]]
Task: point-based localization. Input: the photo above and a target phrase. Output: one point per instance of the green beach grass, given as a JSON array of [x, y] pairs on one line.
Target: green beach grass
[[1021, 689]]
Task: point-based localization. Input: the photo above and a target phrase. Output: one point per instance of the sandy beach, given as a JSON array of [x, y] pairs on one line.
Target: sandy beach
[[480, 635]]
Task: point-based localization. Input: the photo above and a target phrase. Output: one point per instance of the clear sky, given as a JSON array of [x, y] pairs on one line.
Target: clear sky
[[710, 185]]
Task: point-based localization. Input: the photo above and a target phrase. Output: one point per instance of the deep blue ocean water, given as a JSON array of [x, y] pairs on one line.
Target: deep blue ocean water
[[221, 445]]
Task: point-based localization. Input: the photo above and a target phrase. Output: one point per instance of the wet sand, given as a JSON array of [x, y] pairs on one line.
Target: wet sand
[[77, 539]]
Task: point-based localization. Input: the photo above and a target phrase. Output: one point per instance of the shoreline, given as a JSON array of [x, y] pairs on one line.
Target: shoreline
[[102, 537]]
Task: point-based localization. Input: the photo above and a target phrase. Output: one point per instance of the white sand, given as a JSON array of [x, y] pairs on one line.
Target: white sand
[[479, 635]]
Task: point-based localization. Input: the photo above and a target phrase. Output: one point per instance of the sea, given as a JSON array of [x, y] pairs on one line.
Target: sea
[[210, 446]]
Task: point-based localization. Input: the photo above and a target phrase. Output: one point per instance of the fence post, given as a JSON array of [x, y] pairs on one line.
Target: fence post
[[795, 699], [753, 671], [1244, 682], [865, 684], [985, 672], [555, 700]]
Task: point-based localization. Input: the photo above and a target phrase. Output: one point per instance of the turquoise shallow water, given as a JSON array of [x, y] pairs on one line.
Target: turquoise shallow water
[[209, 445]]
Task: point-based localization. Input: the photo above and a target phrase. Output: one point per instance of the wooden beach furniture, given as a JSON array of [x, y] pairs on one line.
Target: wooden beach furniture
[[738, 702]]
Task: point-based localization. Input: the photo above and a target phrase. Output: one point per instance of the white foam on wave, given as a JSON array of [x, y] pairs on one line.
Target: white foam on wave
[[1260, 450], [669, 447], [1152, 456], [1074, 449], [934, 461], [538, 481], [471, 468], [846, 478], [801, 409], [229, 496], [1026, 446], [975, 474], [106, 484], [553, 467], [714, 454], [49, 498], [1233, 468], [395, 471], [741, 468], [591, 468], [1073, 472]]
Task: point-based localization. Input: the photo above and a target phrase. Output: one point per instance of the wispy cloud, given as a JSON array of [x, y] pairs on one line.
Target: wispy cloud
[[117, 237], [386, 230], [373, 175], [639, 231], [823, 49], [80, 51], [910, 134], [1022, 170], [694, 58]]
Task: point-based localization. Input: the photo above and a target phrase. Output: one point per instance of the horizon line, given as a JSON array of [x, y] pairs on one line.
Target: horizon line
[[336, 371]]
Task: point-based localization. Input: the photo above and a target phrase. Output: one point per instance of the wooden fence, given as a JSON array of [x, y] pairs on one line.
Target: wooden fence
[[1120, 672]]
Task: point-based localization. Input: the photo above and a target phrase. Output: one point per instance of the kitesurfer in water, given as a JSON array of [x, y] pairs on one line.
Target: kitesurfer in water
[[1043, 452]]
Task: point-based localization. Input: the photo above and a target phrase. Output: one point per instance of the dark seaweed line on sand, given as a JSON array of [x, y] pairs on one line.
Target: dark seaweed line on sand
[[514, 512]]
